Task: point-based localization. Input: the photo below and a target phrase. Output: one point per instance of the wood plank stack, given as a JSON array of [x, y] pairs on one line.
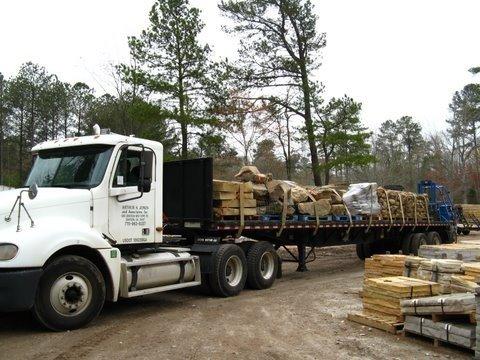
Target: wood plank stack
[[411, 265], [228, 198], [382, 296], [393, 202], [456, 333], [463, 252], [440, 271], [384, 266]]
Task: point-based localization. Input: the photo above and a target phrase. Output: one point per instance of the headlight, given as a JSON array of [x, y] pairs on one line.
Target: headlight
[[8, 251]]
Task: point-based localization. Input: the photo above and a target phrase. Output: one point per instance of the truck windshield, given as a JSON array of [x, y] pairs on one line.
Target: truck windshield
[[80, 167]]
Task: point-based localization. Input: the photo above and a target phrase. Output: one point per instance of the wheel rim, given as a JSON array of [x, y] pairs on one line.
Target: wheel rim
[[234, 270], [71, 294], [267, 265]]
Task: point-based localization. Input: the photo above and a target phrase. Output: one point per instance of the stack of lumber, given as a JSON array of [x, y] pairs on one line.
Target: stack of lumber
[[384, 266], [442, 304], [402, 204], [382, 296], [412, 264], [452, 332], [229, 197], [463, 284], [463, 252], [440, 271]]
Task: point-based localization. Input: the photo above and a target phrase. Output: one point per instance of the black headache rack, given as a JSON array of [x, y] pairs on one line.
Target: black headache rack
[[187, 193]]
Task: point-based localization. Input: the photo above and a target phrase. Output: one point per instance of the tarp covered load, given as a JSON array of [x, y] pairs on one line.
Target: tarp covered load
[[361, 199]]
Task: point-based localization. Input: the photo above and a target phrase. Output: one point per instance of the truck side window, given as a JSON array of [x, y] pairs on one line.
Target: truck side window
[[128, 169]]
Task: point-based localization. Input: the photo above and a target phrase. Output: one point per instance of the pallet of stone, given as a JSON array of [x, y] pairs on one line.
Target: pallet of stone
[[384, 266], [472, 269], [463, 284], [440, 271], [447, 304], [411, 265], [463, 252], [381, 299], [451, 332]]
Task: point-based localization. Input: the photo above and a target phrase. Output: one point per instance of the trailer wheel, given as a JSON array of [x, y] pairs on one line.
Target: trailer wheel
[[360, 252], [465, 231], [229, 271], [418, 240], [71, 294], [433, 238], [262, 265]]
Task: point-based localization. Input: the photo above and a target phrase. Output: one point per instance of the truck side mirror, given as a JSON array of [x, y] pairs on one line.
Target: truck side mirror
[[146, 166]]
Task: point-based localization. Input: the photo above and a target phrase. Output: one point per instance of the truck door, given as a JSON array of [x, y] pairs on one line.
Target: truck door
[[132, 211]]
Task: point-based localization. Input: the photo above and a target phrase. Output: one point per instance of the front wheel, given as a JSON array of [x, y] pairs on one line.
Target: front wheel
[[71, 294], [229, 272], [262, 265]]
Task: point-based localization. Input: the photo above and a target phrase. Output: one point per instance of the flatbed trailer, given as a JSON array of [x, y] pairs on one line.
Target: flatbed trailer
[[188, 210]]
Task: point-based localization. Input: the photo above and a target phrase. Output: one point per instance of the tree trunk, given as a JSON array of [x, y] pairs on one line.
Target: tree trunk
[[317, 177]]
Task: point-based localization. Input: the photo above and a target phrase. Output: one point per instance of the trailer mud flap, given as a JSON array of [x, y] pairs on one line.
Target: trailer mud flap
[[206, 259]]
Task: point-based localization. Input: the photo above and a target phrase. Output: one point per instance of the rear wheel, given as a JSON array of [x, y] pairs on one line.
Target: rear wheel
[[433, 238], [71, 293], [262, 265], [418, 240], [360, 252], [229, 272], [465, 231]]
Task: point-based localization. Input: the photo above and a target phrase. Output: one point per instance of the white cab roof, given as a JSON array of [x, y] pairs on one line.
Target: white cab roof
[[107, 139]]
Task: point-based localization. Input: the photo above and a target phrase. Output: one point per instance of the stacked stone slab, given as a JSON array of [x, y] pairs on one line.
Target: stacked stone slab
[[440, 271]]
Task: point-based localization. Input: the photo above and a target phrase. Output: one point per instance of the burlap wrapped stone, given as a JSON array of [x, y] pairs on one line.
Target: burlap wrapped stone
[[251, 173], [326, 193], [274, 208], [320, 207], [296, 193]]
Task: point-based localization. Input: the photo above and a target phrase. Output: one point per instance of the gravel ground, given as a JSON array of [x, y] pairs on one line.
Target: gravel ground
[[303, 316]]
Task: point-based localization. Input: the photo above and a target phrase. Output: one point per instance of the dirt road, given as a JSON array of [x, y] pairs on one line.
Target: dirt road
[[302, 317]]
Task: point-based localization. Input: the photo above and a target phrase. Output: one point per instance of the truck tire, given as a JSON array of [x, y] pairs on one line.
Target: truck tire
[[262, 265], [433, 238], [229, 272], [71, 294], [360, 252], [465, 231], [418, 240]]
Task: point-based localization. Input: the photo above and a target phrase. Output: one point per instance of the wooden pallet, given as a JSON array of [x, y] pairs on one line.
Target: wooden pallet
[[436, 342], [376, 322]]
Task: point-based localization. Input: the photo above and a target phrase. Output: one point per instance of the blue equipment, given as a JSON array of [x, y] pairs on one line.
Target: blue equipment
[[440, 202]]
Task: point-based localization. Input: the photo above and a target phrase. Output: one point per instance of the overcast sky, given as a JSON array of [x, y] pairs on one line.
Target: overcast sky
[[397, 57]]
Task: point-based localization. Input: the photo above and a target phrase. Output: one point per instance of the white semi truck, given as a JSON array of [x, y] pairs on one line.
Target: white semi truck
[[102, 217]]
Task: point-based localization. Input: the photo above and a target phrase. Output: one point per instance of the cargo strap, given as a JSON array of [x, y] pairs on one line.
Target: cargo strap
[[426, 208], [371, 212], [388, 206], [401, 209], [284, 211], [415, 210], [315, 209], [241, 194]]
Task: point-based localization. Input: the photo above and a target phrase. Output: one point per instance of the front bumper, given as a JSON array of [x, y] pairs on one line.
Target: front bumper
[[18, 288]]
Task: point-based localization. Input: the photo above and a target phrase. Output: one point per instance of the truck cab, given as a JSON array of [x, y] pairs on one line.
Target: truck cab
[[87, 227]]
